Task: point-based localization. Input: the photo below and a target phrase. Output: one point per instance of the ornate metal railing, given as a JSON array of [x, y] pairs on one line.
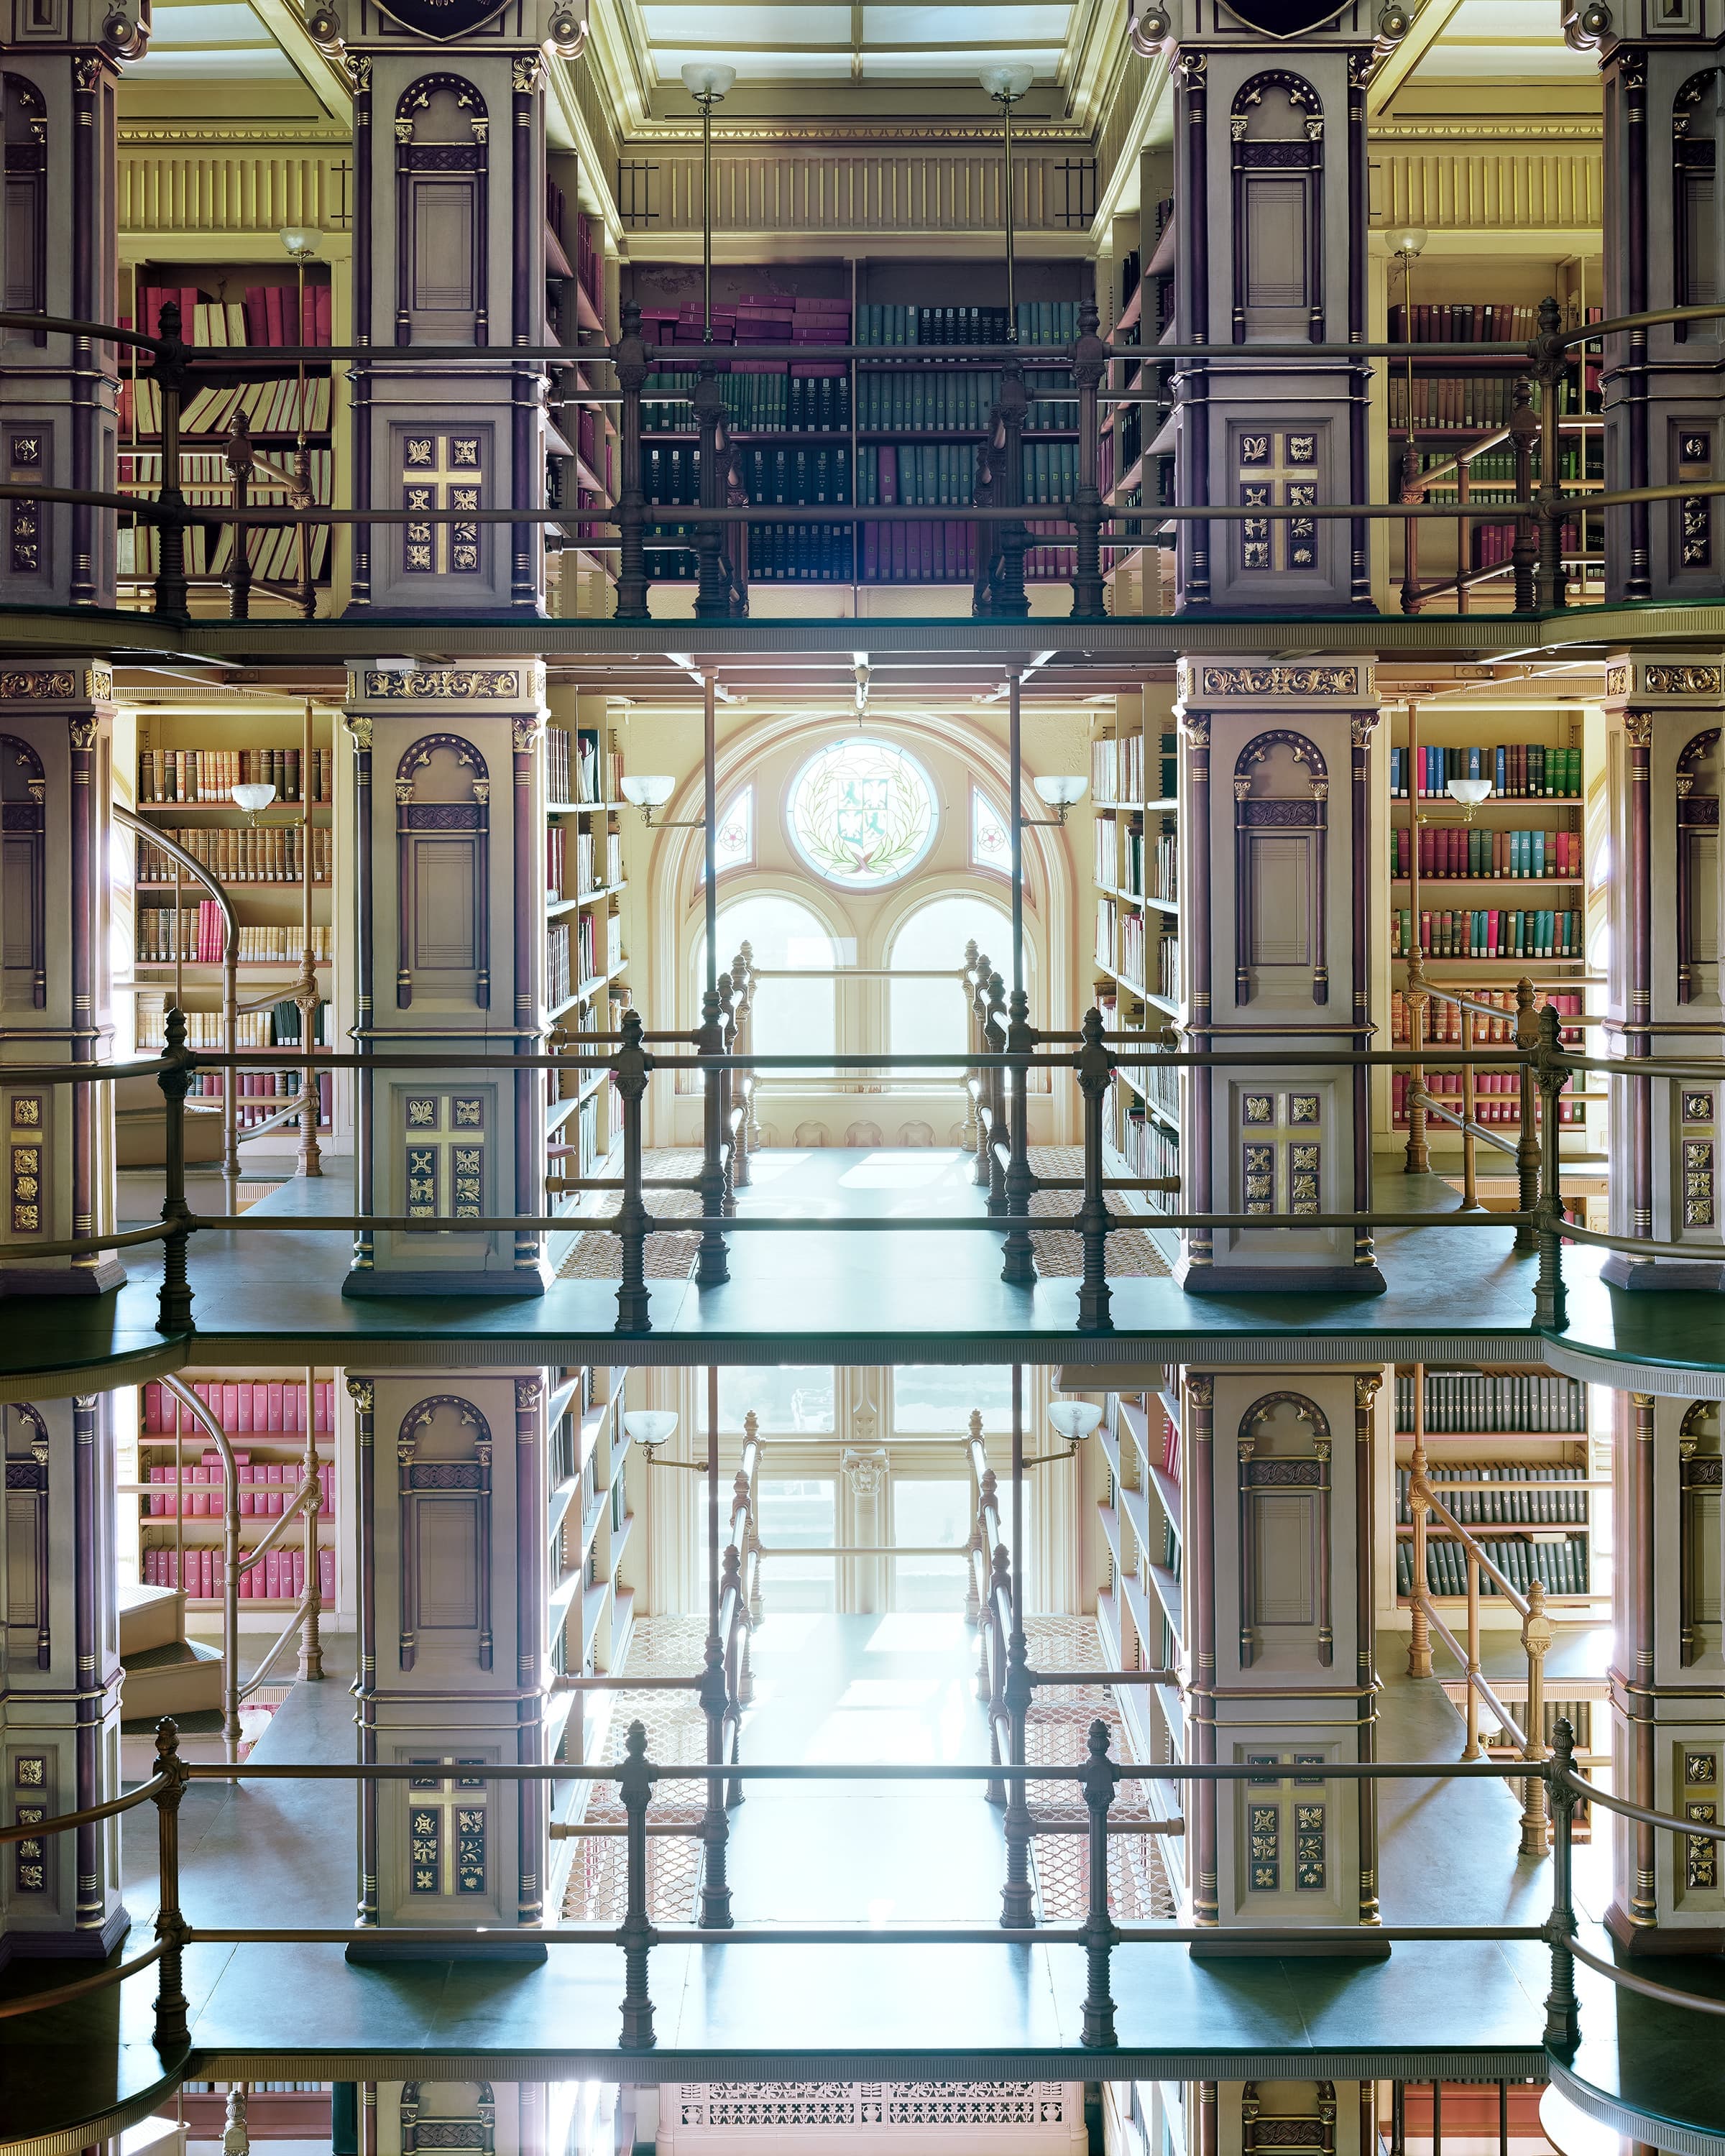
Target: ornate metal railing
[[1001, 517]]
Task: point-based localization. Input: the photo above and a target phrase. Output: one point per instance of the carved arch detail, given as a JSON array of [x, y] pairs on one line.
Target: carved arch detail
[[1697, 839], [1304, 1478], [1267, 826], [441, 207], [431, 837], [23, 830], [459, 1484], [1277, 182]]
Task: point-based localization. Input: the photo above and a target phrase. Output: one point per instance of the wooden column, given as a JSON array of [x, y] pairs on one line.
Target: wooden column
[[1201, 1686]]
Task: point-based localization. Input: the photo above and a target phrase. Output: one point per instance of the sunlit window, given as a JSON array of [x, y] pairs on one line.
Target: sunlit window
[[785, 1403], [792, 1016], [935, 1399], [734, 842], [929, 1015], [862, 814], [990, 841]]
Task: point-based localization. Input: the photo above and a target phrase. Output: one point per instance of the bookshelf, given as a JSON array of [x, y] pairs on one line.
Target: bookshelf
[[1136, 826], [813, 431], [1499, 897], [584, 452], [589, 1527], [259, 305], [586, 989], [186, 765], [1140, 1611], [1138, 450], [178, 1490], [1510, 1452]]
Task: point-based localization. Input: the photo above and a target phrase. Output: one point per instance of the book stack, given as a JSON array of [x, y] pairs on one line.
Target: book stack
[[278, 1027], [554, 859], [1500, 1493], [264, 1489], [1488, 932], [1463, 322], [268, 853], [558, 986], [1497, 1096], [1148, 1147], [1443, 1020], [1560, 1566], [279, 1576], [262, 1093], [279, 405], [816, 553], [244, 1407], [210, 774], [1508, 1402], [1517, 771], [1467, 851]]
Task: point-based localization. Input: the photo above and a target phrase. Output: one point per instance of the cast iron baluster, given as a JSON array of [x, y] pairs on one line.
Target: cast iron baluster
[[1561, 2025], [1097, 1782], [711, 1269], [736, 1651], [728, 1134], [635, 1935], [630, 354], [712, 588], [1090, 362], [994, 1033], [1550, 1298], [1018, 1256], [1551, 363], [171, 2031], [1411, 489], [629, 1067], [983, 1081], [240, 457], [1527, 1144], [1096, 1069], [172, 598], [1524, 554], [174, 1302], [740, 1082], [990, 1670], [1013, 407]]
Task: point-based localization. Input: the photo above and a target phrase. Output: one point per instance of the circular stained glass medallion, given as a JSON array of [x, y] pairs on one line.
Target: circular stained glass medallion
[[862, 812]]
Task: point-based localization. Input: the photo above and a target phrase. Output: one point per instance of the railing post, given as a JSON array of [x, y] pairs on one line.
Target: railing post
[[240, 457], [991, 1672], [1551, 364], [1411, 491], [1524, 555], [995, 1034], [630, 355], [1018, 1256], [171, 596], [1471, 1748], [738, 1092], [1470, 1162], [1017, 1909], [310, 1641], [979, 1088], [1090, 362], [172, 2032], [727, 1135], [1097, 1782], [1535, 1638], [1096, 1068], [1417, 1156], [629, 1067], [1562, 2019], [1419, 1635], [712, 587], [635, 1934], [1527, 1143], [1550, 1297], [736, 1647], [711, 1268], [174, 1301]]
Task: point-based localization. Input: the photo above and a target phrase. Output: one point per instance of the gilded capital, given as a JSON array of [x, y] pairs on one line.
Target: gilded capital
[[359, 725], [1201, 1392], [1366, 1389], [526, 1394], [359, 1392]]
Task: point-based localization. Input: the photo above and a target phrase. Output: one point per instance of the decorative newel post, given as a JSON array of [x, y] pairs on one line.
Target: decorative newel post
[[1420, 1505], [1017, 1908], [1417, 1156], [1090, 363], [1096, 1069], [1551, 364], [995, 1035], [1537, 1634], [635, 1934], [1018, 1257], [171, 2031], [1527, 1143], [629, 1067], [1561, 2025], [711, 1269], [1097, 1783], [630, 354], [171, 598], [1524, 554], [1550, 1298], [174, 1301], [240, 457]]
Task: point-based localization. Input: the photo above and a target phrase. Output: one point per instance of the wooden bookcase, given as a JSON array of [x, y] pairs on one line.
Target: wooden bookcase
[[177, 1490], [1134, 800], [1141, 1612], [194, 758], [584, 452], [1138, 440], [256, 304], [589, 1528]]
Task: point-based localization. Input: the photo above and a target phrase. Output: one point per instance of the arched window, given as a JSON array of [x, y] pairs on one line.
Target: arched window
[[990, 837], [784, 937], [734, 845], [862, 814], [929, 1015]]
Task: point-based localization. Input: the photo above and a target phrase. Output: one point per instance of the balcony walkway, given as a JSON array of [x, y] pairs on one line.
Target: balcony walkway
[[875, 1296], [853, 1689]]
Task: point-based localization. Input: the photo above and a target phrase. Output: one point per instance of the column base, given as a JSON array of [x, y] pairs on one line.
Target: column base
[[1638, 1939], [493, 1947], [98, 1279], [1293, 1947], [367, 1282], [95, 1944], [1278, 1280], [1691, 1275]]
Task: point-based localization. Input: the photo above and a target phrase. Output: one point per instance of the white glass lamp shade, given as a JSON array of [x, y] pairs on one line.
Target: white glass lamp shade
[[649, 1425], [255, 796], [707, 78], [1060, 791], [1410, 239], [1469, 792], [648, 789], [1010, 81], [1073, 1420]]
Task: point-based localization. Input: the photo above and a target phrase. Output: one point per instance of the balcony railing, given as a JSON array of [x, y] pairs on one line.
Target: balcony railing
[[997, 512]]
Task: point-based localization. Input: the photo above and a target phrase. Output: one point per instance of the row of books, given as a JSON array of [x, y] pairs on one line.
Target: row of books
[[266, 853], [280, 405], [264, 1488], [1443, 1020], [586, 255], [211, 774], [1517, 770], [270, 314], [578, 951], [264, 1093], [206, 481], [1117, 769], [1491, 475], [1497, 1097], [905, 399], [1490, 933], [576, 769], [272, 552], [1467, 850], [1506, 1402], [1121, 859], [1159, 1083], [1491, 544], [278, 1027], [197, 936], [762, 397], [1146, 1147], [273, 2088], [1036, 321], [1500, 1493], [587, 857], [1560, 1567], [245, 1407], [277, 1576]]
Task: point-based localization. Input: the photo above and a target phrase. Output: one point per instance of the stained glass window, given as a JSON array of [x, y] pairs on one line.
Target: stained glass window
[[862, 814], [735, 842], [990, 841]]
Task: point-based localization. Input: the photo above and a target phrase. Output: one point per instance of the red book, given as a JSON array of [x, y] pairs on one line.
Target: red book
[[326, 1577], [256, 328], [272, 1575], [274, 322], [325, 314], [325, 1391], [230, 1408], [260, 1407], [152, 1406], [294, 1564], [242, 1409]]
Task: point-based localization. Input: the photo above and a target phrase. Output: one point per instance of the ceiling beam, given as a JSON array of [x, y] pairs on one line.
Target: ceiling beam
[[1430, 24], [325, 79]]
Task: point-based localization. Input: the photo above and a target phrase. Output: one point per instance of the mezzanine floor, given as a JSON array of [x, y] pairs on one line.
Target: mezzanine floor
[[827, 1296], [849, 1689]]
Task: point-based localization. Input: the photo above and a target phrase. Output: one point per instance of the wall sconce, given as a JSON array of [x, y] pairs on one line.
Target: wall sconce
[[650, 790], [1060, 794], [255, 796], [651, 1427], [1469, 792], [1006, 84], [1073, 1420]]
